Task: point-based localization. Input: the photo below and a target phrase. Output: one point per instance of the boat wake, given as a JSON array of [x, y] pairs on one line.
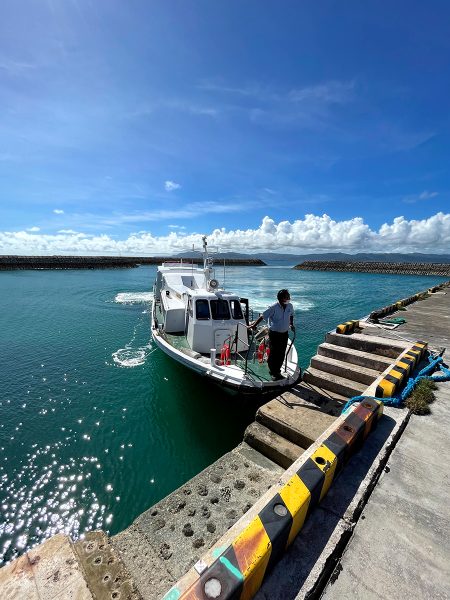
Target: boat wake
[[131, 357], [133, 297], [134, 353], [259, 305]]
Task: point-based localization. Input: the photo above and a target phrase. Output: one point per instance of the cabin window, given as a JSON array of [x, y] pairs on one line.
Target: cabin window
[[220, 310], [202, 310], [236, 310]]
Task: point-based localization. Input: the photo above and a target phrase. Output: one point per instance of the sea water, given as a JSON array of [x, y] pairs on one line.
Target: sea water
[[96, 424]]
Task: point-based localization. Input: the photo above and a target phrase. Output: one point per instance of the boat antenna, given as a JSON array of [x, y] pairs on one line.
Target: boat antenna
[[224, 273], [192, 261], [205, 252]]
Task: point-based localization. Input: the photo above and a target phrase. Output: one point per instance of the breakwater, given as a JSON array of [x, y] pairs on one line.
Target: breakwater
[[439, 269], [12, 263]]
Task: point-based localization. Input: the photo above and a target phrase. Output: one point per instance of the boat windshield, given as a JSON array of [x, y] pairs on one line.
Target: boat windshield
[[220, 309], [202, 310], [236, 310]]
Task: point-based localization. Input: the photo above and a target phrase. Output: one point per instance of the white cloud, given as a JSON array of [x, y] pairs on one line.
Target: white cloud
[[312, 233], [58, 211], [426, 195], [33, 229], [189, 211], [176, 226], [170, 186], [330, 92], [15, 66], [69, 231]]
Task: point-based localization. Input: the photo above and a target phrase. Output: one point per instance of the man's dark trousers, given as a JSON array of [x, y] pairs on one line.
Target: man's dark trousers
[[277, 344]]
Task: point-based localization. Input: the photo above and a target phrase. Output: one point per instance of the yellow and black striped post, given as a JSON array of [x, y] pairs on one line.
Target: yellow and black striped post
[[238, 572], [398, 375], [347, 327]]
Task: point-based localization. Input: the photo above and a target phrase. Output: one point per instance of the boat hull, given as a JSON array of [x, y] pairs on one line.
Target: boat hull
[[230, 377]]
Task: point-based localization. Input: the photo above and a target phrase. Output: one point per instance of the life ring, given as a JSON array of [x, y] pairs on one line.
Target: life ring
[[225, 355], [263, 351]]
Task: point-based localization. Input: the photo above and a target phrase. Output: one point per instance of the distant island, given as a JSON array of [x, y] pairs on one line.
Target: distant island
[[294, 259], [13, 263], [397, 268]]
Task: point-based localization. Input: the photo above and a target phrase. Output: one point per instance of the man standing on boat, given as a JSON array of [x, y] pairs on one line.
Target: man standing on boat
[[279, 317]]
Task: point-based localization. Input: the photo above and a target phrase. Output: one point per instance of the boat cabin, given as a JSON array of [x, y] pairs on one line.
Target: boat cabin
[[192, 305]]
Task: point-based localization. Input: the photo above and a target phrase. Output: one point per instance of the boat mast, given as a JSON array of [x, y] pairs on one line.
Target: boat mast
[[207, 262], [205, 253]]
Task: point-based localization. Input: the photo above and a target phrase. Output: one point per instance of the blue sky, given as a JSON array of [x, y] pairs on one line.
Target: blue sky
[[133, 127]]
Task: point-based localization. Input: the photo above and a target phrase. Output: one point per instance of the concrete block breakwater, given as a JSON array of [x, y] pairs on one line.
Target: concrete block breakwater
[[12, 263], [376, 267]]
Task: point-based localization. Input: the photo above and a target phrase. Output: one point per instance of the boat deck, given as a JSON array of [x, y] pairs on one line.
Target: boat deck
[[255, 370]]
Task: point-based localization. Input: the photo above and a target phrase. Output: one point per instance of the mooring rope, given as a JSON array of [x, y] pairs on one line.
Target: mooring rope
[[398, 399]]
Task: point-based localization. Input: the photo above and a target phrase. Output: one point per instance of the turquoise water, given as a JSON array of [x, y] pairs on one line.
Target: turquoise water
[[95, 425]]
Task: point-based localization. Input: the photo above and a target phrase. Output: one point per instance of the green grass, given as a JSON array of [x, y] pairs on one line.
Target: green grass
[[422, 396]]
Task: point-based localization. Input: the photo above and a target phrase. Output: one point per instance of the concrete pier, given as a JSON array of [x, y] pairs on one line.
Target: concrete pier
[[168, 548], [403, 534]]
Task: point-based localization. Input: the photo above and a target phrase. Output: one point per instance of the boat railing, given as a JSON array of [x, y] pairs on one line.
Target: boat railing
[[233, 342], [174, 263]]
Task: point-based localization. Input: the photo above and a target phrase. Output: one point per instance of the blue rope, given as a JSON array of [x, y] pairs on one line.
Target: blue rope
[[398, 399]]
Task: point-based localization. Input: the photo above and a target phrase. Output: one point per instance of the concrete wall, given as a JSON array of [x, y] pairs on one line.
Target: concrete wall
[[11, 263], [441, 270]]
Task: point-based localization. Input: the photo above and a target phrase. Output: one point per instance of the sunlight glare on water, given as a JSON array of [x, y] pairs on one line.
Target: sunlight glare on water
[[96, 423]]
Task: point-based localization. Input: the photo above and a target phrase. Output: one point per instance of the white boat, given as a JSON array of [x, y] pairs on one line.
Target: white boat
[[203, 327]]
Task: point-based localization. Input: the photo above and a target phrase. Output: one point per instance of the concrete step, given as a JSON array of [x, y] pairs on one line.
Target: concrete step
[[334, 383], [355, 357], [299, 424], [343, 369], [312, 393], [305, 394], [273, 446], [368, 343]]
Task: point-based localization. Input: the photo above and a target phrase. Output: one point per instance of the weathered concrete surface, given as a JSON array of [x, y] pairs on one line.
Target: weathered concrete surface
[[49, 571], [308, 564], [334, 383], [355, 357], [401, 545], [428, 318], [342, 368], [103, 570], [169, 538], [312, 554], [375, 345], [301, 425], [307, 394], [277, 448]]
